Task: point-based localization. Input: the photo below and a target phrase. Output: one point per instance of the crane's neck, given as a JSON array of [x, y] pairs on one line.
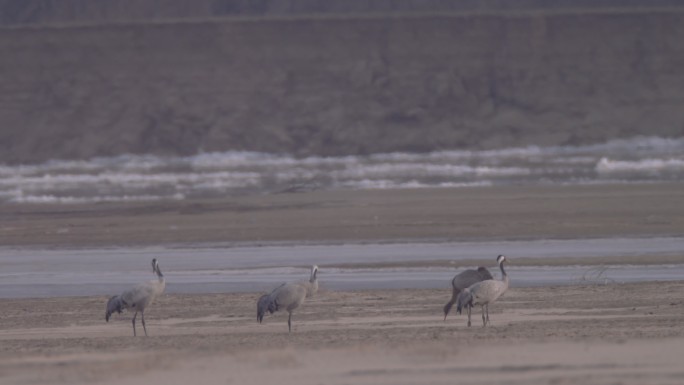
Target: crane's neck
[[313, 283], [160, 276], [161, 283], [504, 276]]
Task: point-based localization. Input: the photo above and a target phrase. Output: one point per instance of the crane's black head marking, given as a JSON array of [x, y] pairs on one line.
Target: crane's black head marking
[[155, 267]]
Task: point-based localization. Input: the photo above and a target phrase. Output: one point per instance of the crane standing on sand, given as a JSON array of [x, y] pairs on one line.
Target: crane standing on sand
[[464, 280], [138, 298], [483, 293], [288, 296]]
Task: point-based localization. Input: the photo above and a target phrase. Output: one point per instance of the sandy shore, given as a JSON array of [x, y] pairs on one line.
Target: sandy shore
[[618, 333], [515, 212], [627, 334]]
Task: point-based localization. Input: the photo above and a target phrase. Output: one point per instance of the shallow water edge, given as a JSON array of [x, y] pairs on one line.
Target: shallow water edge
[[60, 272]]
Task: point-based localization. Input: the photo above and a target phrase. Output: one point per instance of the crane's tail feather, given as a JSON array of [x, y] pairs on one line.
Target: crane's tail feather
[[464, 299], [265, 304], [115, 304]]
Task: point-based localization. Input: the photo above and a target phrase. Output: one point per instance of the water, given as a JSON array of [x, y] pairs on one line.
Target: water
[[210, 175], [49, 272]]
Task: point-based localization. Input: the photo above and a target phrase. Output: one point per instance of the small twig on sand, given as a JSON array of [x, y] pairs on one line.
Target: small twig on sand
[[597, 274]]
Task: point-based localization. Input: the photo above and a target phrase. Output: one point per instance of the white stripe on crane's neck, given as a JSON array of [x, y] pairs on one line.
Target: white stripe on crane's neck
[[314, 271], [501, 259], [156, 269]]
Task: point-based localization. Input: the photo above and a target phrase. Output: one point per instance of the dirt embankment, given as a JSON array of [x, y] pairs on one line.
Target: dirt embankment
[[331, 85]]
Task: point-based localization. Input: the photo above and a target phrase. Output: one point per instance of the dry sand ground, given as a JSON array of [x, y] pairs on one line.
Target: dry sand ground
[[614, 334]]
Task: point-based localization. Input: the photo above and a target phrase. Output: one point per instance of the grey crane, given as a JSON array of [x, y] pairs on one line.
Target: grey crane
[[464, 280], [483, 293], [288, 296], [138, 298]]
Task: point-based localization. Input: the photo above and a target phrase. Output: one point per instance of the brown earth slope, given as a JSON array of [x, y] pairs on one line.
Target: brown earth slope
[[26, 12], [332, 85]]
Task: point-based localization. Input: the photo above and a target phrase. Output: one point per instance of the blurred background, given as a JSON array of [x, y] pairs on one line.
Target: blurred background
[[170, 99]]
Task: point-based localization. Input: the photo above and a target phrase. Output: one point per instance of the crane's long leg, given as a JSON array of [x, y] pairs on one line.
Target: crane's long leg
[[143, 322], [484, 321], [488, 313], [289, 322], [133, 320], [469, 308]]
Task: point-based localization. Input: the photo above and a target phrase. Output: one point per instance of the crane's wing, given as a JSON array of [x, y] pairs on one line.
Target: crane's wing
[[138, 296], [484, 273], [289, 296], [470, 277], [487, 291]]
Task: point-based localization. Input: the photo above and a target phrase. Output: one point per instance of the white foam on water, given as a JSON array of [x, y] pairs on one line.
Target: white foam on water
[[649, 166], [77, 200], [404, 170], [368, 184], [149, 177]]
